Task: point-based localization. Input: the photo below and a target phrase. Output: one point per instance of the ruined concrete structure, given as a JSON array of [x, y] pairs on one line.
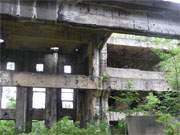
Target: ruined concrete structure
[[80, 29]]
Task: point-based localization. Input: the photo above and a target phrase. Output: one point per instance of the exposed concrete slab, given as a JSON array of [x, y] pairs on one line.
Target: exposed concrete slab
[[137, 43], [132, 79], [134, 74], [136, 84], [124, 17]]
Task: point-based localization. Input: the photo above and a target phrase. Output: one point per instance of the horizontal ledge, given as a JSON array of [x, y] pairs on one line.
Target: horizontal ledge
[[118, 41], [117, 81], [134, 74], [43, 80]]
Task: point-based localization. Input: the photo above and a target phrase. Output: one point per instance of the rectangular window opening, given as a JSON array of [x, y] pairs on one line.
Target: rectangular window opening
[[39, 98], [67, 98], [8, 97], [67, 69], [10, 66], [39, 67]]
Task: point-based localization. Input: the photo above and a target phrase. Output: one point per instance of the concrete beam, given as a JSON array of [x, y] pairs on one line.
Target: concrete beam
[[113, 40], [134, 74], [124, 17], [46, 80], [128, 20], [117, 79], [132, 79]]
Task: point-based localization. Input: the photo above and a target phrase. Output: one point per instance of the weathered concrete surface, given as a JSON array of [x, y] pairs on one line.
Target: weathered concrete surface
[[40, 35], [134, 74], [117, 79], [155, 22], [144, 126], [23, 115], [46, 80], [132, 57], [136, 43], [116, 116], [131, 79], [124, 17]]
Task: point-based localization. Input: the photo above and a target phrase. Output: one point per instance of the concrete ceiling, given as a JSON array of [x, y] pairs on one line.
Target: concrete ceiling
[[132, 57], [20, 34]]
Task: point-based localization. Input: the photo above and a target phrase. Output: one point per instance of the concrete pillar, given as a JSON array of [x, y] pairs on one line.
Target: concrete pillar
[[96, 61], [51, 107], [59, 104], [92, 106], [23, 109], [87, 110], [104, 107], [51, 61], [24, 102], [88, 101], [1, 91], [0, 86], [105, 93], [103, 59]]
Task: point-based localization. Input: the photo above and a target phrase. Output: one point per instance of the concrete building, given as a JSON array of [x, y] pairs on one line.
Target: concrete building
[[63, 46]]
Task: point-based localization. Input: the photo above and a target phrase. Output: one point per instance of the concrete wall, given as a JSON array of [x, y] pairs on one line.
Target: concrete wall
[[20, 57], [143, 125]]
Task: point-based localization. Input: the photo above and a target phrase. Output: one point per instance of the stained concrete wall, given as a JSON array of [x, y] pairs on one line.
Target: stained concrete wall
[[79, 65], [143, 125]]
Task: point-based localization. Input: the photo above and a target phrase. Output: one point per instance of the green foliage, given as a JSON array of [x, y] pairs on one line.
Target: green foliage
[[11, 103], [131, 99], [119, 128], [7, 127], [122, 124], [68, 127], [151, 104], [130, 85], [137, 103], [164, 105], [171, 125], [170, 64], [104, 77], [169, 102], [165, 102]]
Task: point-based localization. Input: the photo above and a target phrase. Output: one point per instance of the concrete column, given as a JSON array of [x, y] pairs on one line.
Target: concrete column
[[23, 109], [104, 107], [59, 104], [87, 110], [51, 107], [103, 59], [24, 102], [1, 91], [51, 116], [88, 100], [96, 61]]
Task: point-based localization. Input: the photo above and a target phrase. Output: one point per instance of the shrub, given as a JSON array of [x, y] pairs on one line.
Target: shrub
[[68, 127], [7, 127]]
